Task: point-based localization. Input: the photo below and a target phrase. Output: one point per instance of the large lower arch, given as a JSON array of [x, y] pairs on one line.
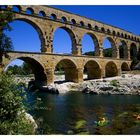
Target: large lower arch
[[69, 68], [125, 67], [111, 69], [72, 38], [36, 67], [93, 70], [36, 27]]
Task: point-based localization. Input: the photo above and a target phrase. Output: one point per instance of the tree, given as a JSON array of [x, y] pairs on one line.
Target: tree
[[13, 119], [5, 41], [12, 114]]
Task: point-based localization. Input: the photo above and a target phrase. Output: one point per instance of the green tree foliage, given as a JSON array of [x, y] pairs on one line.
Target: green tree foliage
[[25, 69], [107, 52], [5, 41], [12, 115]]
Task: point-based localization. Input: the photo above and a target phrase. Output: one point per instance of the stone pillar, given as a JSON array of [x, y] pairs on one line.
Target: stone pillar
[[79, 75], [115, 51], [50, 75], [74, 75], [128, 54], [99, 49], [77, 49], [119, 71]]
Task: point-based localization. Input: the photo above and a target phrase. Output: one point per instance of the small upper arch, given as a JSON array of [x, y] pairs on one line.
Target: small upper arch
[[16, 8], [42, 14], [29, 11], [63, 19], [53, 16]]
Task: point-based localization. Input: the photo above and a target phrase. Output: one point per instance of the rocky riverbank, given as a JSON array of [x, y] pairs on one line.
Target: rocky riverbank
[[123, 85], [126, 84]]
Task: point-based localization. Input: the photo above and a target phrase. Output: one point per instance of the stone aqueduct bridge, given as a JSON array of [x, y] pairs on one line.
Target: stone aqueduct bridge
[[98, 66]]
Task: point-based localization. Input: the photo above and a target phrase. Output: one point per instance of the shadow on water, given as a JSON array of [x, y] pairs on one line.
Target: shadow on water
[[77, 113]]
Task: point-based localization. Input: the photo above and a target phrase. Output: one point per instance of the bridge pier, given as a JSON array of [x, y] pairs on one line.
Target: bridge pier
[[50, 76], [74, 75]]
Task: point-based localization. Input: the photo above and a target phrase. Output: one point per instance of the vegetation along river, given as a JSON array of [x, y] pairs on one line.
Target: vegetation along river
[[78, 113]]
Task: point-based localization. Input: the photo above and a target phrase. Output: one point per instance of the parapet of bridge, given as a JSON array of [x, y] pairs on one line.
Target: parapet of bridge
[[46, 20]]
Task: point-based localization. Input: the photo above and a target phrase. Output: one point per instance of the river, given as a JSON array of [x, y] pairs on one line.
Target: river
[[78, 113]]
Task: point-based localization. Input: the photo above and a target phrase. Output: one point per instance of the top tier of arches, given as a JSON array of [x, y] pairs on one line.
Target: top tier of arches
[[75, 20]]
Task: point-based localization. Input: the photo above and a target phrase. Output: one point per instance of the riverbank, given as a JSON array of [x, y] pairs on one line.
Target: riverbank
[[124, 85]]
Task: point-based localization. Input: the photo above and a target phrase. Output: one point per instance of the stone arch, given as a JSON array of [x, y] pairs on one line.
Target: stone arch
[[125, 67], [64, 19], [36, 67], [93, 69], [29, 11], [89, 26], [42, 14], [111, 69], [72, 37], [103, 29], [36, 27], [69, 68], [96, 27], [112, 49], [16, 8], [123, 49], [53, 16], [82, 24], [114, 33], [108, 31], [133, 51], [73, 21], [95, 42]]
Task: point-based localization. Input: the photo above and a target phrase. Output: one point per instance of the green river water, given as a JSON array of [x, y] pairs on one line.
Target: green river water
[[78, 113]]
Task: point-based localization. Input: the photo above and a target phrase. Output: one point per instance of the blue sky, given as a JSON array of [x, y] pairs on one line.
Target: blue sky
[[25, 37]]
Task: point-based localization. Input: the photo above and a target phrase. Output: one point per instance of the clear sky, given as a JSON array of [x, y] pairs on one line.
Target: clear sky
[[25, 37]]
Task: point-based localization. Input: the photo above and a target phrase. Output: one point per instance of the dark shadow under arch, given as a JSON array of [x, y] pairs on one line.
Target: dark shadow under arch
[[92, 69], [111, 69], [123, 49], [133, 51], [125, 67]]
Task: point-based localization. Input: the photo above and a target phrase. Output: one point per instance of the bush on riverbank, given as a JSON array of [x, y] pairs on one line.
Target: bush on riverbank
[[13, 119]]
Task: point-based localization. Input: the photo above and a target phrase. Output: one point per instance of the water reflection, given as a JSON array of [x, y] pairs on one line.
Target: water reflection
[[76, 113]]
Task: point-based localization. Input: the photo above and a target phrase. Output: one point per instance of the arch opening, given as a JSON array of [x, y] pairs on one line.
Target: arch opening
[[111, 69], [16, 9], [67, 43], [65, 70], [42, 14], [63, 19], [125, 67], [29, 40], [92, 70], [29, 11], [133, 51], [109, 48], [53, 17], [123, 51], [90, 45], [27, 66]]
